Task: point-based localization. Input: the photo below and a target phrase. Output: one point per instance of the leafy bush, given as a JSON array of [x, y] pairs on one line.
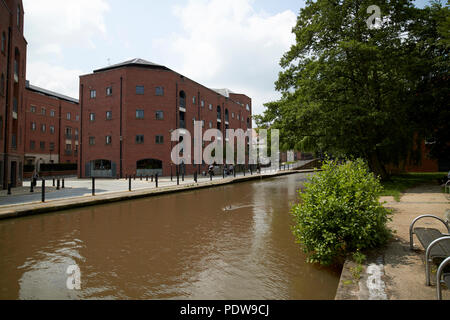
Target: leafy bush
[[339, 212]]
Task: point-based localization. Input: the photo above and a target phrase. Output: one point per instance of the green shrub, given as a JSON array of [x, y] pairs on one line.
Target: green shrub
[[339, 212]]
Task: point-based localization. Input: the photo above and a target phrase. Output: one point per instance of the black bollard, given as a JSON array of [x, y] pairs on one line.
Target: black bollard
[[63, 184], [147, 178], [129, 183], [43, 190], [53, 181], [156, 180], [195, 177], [152, 178], [134, 178], [182, 176], [251, 170], [58, 185], [9, 188], [141, 177], [93, 186], [210, 176], [244, 170], [31, 188], [171, 174], [178, 177], [223, 173]]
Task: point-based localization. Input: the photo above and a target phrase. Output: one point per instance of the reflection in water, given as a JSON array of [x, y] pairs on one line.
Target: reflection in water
[[232, 242]]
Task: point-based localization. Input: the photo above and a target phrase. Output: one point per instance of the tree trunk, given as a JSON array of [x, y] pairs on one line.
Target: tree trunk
[[377, 167]]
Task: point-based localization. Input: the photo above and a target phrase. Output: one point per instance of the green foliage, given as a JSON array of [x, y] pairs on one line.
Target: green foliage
[[339, 213]]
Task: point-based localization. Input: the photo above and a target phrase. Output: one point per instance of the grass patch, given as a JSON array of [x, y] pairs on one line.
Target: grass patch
[[399, 183]]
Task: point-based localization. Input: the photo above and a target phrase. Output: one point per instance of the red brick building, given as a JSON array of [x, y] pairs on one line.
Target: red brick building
[[13, 52], [52, 127], [129, 110]]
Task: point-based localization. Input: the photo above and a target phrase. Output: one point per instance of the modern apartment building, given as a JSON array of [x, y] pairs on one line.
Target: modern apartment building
[[52, 127], [13, 52], [129, 110]]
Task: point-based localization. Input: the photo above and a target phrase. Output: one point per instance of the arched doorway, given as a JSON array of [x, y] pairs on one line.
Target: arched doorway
[[148, 167]]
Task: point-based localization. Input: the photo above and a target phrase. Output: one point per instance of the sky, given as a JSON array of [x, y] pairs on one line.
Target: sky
[[234, 44]]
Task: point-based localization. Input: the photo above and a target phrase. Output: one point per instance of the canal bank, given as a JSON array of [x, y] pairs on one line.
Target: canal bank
[[395, 272], [34, 208]]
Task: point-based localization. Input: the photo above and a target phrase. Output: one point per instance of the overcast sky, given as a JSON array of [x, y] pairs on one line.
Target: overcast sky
[[235, 44]]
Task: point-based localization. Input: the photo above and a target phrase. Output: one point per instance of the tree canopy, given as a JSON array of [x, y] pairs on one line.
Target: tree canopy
[[350, 89]]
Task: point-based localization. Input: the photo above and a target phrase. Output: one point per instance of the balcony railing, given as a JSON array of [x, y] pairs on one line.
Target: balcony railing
[[68, 136], [68, 152]]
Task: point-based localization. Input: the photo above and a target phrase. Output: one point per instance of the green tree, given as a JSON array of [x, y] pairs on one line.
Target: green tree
[[348, 89]]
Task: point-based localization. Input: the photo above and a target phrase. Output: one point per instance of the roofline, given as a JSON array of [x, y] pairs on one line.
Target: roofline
[[131, 65], [50, 93], [139, 65]]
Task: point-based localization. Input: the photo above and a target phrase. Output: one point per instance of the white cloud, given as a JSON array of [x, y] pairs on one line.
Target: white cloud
[[229, 44], [52, 27], [54, 78], [64, 23]]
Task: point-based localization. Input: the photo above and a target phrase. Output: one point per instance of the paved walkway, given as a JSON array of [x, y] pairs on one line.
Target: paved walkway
[[395, 272], [75, 187]]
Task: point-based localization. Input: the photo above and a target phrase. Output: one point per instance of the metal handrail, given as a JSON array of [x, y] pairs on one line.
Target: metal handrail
[[411, 228], [440, 271], [427, 256]]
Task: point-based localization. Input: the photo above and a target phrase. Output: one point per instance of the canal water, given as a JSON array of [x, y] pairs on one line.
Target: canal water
[[231, 242]]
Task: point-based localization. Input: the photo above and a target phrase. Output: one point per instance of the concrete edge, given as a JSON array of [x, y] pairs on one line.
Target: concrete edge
[[21, 210]]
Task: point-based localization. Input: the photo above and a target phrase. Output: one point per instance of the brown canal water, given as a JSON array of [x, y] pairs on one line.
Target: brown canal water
[[231, 242]]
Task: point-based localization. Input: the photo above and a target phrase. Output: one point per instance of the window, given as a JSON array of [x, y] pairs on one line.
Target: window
[[68, 147], [140, 139], [202, 103], [159, 91], [203, 123], [76, 134], [32, 145], [68, 116], [33, 109], [92, 117], [109, 91], [232, 115], [43, 128], [210, 107], [210, 125], [92, 141], [247, 107], [108, 115], [43, 111], [42, 145], [52, 146], [139, 89], [159, 115], [77, 118], [69, 133], [33, 126], [52, 113], [238, 117], [52, 129], [108, 140], [139, 114], [159, 139], [93, 94], [194, 100]]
